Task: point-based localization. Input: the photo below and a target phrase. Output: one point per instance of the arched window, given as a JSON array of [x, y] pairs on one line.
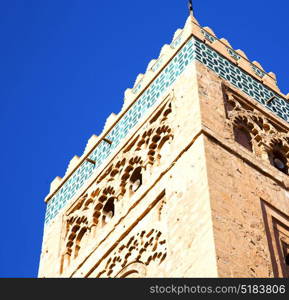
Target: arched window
[[136, 179], [243, 137], [279, 161], [108, 211], [78, 241]]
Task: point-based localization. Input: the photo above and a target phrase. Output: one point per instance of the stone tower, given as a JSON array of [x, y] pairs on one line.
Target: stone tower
[[190, 179]]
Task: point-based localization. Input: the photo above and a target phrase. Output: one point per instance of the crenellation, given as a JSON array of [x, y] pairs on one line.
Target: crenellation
[[91, 143], [55, 183], [72, 164], [151, 64], [109, 121], [177, 34], [226, 42], [242, 53], [257, 64], [210, 31]]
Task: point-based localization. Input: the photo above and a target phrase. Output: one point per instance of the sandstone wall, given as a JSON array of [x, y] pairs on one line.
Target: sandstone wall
[[164, 228], [247, 193]]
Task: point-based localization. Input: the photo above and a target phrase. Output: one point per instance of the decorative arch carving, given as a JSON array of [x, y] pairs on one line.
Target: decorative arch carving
[[267, 136], [133, 270], [133, 256], [113, 188]]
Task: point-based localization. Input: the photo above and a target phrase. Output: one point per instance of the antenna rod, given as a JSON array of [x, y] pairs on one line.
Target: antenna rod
[[191, 8]]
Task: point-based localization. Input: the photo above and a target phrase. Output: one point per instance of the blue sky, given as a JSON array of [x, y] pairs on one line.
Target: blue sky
[[64, 67]]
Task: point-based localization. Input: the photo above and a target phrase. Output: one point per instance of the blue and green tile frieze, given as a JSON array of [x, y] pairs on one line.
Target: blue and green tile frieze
[[193, 49], [241, 80], [150, 96]]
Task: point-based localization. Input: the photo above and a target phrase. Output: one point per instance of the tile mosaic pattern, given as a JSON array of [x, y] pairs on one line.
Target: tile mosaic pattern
[[257, 71], [208, 36], [193, 49], [152, 94], [240, 79], [233, 54]]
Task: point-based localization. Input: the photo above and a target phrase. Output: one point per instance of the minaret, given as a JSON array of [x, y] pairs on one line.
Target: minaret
[[189, 179]]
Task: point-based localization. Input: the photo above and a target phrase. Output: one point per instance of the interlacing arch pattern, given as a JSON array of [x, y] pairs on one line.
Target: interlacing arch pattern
[[76, 231], [138, 251], [117, 184], [267, 136]]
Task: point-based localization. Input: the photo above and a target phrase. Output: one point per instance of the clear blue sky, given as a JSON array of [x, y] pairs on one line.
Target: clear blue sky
[[64, 67]]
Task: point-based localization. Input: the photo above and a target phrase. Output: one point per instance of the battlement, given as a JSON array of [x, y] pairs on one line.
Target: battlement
[[192, 43]]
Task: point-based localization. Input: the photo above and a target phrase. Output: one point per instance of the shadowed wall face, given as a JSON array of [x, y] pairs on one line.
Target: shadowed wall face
[[248, 191]]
